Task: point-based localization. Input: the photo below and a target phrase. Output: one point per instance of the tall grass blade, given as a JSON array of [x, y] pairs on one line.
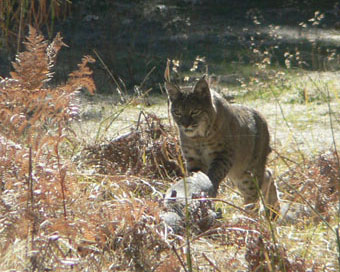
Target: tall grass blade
[[187, 218], [119, 88]]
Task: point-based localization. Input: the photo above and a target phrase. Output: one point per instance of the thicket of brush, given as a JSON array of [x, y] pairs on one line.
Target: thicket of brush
[[56, 217], [52, 217]]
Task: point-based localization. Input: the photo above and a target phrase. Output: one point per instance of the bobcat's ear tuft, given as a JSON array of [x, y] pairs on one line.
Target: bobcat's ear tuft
[[172, 90], [202, 87]]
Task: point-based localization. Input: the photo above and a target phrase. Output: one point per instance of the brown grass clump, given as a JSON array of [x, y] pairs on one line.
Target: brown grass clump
[[262, 254], [128, 231], [249, 244], [151, 150], [316, 182]]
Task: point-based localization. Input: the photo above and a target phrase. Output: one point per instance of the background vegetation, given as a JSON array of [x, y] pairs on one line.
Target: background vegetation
[[133, 37]]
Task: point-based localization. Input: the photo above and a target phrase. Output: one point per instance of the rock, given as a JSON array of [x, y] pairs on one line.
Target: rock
[[202, 215], [173, 220], [293, 212], [197, 184]]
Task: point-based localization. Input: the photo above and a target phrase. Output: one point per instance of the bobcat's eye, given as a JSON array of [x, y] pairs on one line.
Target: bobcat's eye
[[195, 112]]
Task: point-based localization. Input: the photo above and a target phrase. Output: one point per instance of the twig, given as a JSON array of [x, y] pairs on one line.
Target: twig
[[30, 185], [338, 242], [223, 228], [270, 262], [30, 178], [119, 88], [228, 203], [187, 225], [284, 158], [179, 258], [62, 173], [32, 215], [332, 131], [338, 161], [142, 113], [146, 77], [20, 25], [310, 206], [211, 262], [287, 124], [167, 71], [114, 116], [206, 233], [330, 119], [139, 119], [187, 216]]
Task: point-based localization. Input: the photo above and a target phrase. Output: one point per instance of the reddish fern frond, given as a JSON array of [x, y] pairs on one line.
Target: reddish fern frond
[[27, 104], [31, 67], [53, 49], [82, 78]]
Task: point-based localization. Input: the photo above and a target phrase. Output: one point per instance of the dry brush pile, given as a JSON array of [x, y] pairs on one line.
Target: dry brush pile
[[56, 217], [314, 183], [149, 150]]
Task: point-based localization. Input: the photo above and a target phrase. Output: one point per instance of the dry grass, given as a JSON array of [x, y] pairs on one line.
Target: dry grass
[[148, 150], [102, 210], [16, 14]]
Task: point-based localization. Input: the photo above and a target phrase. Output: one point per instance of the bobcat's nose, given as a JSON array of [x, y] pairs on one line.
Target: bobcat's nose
[[186, 122], [186, 125], [190, 126]]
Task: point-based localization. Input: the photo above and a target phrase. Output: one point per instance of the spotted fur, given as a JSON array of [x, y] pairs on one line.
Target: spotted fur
[[222, 140]]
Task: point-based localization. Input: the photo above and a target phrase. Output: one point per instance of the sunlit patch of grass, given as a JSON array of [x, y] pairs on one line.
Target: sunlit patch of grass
[[310, 242], [103, 117]]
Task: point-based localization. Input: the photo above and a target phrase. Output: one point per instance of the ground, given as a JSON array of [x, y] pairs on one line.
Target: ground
[[302, 125]]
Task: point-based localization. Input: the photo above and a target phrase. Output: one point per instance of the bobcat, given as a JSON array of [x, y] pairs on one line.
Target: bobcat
[[222, 140]]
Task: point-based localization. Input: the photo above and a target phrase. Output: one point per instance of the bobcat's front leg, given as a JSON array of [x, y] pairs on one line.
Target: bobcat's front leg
[[194, 165], [219, 168]]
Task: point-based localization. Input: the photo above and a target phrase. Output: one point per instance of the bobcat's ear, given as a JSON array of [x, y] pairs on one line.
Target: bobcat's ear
[[202, 87], [172, 90]]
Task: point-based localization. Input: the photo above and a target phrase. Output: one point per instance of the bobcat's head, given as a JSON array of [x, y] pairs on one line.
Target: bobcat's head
[[193, 111]]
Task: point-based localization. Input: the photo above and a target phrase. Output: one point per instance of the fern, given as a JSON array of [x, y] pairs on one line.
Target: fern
[[31, 68], [34, 121], [27, 103], [82, 78]]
